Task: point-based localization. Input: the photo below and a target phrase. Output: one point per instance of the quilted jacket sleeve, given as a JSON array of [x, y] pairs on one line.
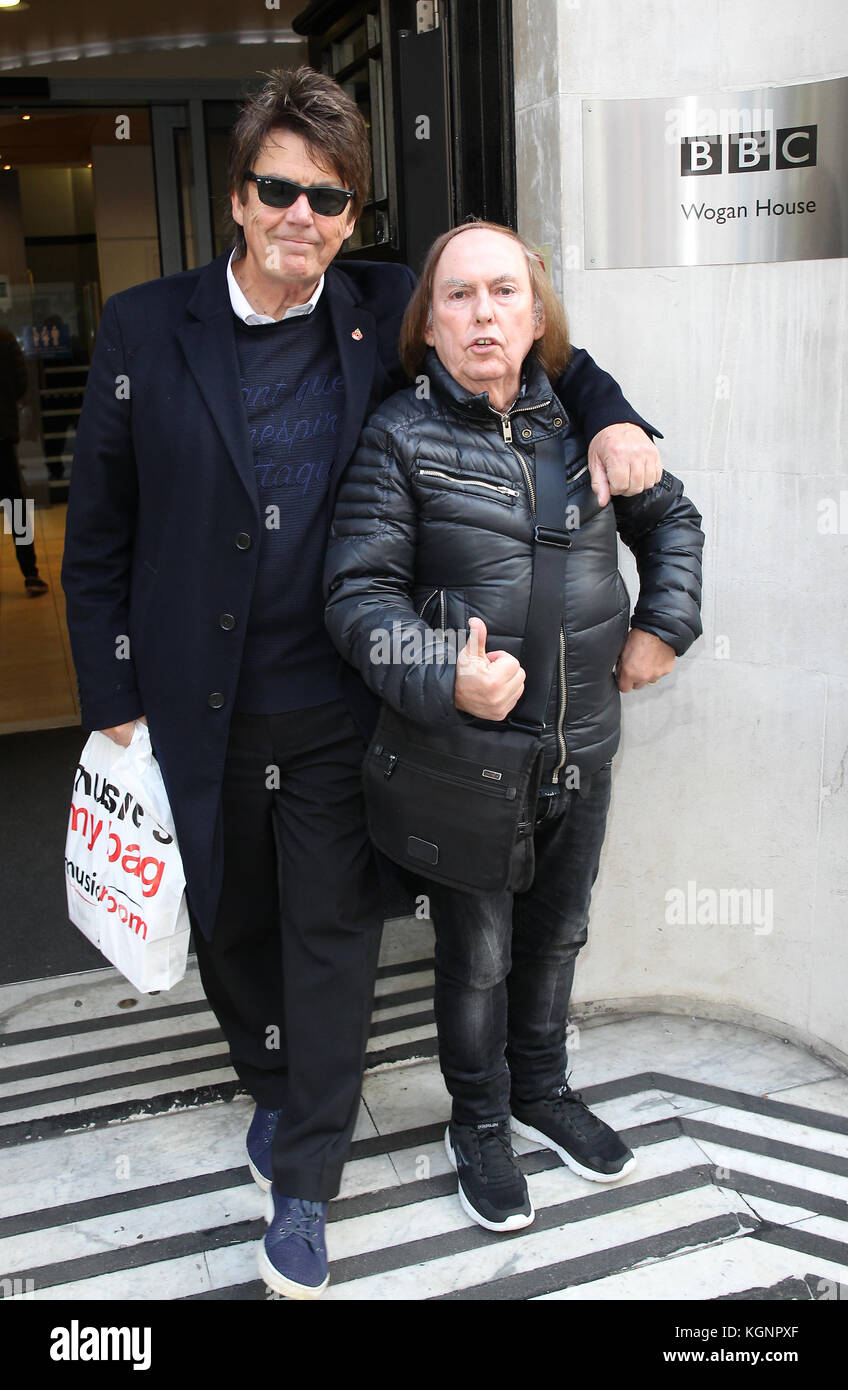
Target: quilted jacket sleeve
[[368, 582], [663, 529]]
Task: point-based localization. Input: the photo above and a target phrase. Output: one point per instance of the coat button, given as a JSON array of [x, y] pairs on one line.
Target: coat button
[[227, 622], [243, 541], [526, 434], [558, 421], [216, 700]]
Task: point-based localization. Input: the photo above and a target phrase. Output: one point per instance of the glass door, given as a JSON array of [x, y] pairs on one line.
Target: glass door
[[190, 144]]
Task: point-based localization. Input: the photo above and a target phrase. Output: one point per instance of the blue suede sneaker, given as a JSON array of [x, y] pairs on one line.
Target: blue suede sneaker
[[292, 1258], [260, 1137]]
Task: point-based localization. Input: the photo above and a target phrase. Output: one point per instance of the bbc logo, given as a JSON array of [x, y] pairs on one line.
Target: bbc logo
[[794, 148]]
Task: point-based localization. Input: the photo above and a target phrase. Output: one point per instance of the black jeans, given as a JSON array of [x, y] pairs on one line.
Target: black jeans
[[505, 962], [290, 969]]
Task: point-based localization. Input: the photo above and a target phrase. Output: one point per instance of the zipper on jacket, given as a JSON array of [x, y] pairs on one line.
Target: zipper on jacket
[[428, 600], [561, 712], [468, 482], [516, 409], [527, 478], [563, 697]]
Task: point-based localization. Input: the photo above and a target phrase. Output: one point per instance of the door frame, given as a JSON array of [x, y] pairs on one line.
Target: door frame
[[173, 105]]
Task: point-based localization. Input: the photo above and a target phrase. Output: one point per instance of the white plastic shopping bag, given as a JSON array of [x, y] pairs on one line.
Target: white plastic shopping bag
[[124, 874]]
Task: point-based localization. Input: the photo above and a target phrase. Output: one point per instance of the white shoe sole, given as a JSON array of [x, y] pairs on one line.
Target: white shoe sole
[[273, 1278], [257, 1176], [528, 1132], [512, 1223], [280, 1284]]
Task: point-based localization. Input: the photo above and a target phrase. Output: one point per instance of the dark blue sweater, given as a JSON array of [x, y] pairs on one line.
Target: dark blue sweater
[[293, 395]]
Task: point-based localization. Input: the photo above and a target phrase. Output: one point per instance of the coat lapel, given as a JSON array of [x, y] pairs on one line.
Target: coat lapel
[[356, 339], [209, 343]]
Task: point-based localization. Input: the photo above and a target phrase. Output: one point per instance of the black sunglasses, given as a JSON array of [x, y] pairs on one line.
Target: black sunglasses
[[281, 193]]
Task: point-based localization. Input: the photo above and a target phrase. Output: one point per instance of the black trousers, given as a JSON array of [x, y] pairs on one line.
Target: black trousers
[[290, 968], [10, 487], [505, 962]]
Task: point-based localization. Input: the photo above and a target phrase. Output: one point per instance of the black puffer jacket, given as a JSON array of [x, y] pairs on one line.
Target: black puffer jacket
[[434, 525]]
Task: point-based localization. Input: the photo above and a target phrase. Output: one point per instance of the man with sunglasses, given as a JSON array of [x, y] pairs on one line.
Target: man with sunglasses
[[223, 406]]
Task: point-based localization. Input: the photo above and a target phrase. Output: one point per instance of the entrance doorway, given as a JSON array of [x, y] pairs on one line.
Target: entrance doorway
[[93, 199]]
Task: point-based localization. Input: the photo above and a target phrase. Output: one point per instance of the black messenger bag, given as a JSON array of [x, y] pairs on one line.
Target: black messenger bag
[[457, 803]]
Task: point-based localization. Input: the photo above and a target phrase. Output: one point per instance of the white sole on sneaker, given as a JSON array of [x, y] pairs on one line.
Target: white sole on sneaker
[[512, 1223], [528, 1132], [280, 1284], [258, 1178], [272, 1277]]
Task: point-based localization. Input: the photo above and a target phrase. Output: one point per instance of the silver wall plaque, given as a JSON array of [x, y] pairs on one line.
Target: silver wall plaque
[[703, 180]]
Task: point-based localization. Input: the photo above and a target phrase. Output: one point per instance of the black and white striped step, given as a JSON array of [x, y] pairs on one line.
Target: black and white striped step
[[69, 1051], [123, 1174], [111, 1213]]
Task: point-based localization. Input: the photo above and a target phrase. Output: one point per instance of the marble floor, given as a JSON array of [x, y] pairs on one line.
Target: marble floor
[[122, 1170]]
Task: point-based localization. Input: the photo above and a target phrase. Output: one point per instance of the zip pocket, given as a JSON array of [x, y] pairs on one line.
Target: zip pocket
[[428, 616], [502, 492], [579, 481], [393, 762], [426, 604]]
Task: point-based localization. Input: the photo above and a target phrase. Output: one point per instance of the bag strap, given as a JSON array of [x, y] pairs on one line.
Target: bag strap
[[544, 615]]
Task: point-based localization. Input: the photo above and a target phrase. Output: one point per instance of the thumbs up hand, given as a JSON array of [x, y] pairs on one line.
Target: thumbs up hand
[[488, 684]]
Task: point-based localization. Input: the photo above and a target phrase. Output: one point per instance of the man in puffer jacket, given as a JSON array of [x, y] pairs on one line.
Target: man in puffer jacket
[[434, 528]]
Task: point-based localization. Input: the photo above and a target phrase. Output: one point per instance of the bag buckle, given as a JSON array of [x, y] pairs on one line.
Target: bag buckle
[[546, 535]]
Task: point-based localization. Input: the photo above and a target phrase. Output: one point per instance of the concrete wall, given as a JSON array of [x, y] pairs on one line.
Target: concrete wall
[[732, 772]]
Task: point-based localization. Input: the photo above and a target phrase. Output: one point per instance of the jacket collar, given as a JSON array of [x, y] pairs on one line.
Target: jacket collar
[[537, 395], [211, 296]]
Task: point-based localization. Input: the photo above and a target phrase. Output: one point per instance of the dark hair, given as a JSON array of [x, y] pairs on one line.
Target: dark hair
[[314, 107], [553, 349]]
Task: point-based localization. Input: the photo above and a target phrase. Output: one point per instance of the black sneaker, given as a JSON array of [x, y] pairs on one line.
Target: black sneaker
[[563, 1122], [492, 1187]]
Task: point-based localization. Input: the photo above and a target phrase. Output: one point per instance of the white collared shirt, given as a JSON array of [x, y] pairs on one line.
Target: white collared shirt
[[244, 310]]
